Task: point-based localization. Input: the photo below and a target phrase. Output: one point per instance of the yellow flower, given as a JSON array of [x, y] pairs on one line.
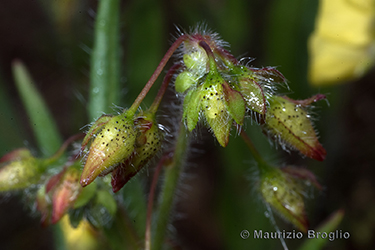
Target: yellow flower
[[342, 47]]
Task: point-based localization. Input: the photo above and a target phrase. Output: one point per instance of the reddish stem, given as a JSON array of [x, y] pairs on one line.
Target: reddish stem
[[65, 145], [157, 72], [210, 55], [164, 86]]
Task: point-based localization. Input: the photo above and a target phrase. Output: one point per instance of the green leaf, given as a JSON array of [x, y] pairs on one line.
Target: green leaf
[[85, 196], [105, 60], [330, 225], [42, 122]]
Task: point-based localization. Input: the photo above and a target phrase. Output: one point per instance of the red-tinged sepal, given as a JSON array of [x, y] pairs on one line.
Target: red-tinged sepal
[[290, 124], [302, 174], [269, 75], [64, 189], [15, 155], [308, 101]]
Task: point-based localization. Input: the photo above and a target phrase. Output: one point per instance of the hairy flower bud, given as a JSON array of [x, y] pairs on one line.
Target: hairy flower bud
[[147, 145], [19, 169], [218, 103], [113, 143], [285, 193], [288, 121], [250, 89]]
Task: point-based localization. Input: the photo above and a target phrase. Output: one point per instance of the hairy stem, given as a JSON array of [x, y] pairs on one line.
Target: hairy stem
[[156, 74], [150, 204], [172, 176]]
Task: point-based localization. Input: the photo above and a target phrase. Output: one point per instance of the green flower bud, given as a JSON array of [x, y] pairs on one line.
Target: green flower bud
[[250, 89], [196, 62], [147, 145], [112, 144], [184, 81], [288, 121], [284, 192]]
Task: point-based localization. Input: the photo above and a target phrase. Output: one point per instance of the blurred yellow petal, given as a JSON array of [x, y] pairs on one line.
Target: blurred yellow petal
[[342, 47], [84, 237]]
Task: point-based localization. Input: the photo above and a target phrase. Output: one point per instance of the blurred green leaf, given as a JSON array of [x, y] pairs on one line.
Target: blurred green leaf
[[42, 122], [328, 226]]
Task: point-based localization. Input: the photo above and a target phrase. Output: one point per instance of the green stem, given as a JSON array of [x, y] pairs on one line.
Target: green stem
[[105, 60], [122, 233], [157, 72], [151, 200], [172, 176], [262, 164]]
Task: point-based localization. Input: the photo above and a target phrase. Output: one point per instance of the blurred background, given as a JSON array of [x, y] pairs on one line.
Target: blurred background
[[217, 198]]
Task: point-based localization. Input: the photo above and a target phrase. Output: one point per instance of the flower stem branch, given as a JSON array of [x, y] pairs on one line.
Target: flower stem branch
[[172, 175], [157, 72], [164, 86], [262, 164], [63, 147]]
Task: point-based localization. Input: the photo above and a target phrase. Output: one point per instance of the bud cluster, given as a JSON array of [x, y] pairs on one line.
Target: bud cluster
[[221, 91]]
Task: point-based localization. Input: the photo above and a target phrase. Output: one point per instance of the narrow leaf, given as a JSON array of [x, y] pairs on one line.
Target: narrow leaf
[[42, 122]]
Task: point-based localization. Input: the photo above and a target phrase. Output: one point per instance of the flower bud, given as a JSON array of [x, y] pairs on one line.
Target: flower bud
[[112, 144], [284, 192], [65, 188], [184, 81], [250, 89], [288, 121], [19, 169], [219, 104], [148, 144], [196, 62]]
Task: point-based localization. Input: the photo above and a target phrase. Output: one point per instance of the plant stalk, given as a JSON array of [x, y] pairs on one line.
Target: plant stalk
[[172, 176]]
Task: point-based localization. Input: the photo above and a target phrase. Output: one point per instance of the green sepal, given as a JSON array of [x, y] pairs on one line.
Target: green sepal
[[105, 199], [235, 103], [192, 108], [95, 128], [184, 81], [250, 89]]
